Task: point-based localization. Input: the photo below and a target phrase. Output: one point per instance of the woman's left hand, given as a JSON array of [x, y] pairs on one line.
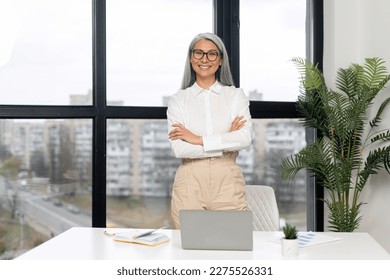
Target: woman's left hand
[[237, 124], [180, 132]]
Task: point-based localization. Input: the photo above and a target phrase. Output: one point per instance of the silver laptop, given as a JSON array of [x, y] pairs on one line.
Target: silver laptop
[[216, 230]]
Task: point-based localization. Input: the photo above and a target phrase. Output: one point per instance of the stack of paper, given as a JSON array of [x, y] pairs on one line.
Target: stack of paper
[[313, 238], [309, 238]]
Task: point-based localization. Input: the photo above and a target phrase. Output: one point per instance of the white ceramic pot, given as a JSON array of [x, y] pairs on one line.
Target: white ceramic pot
[[290, 247]]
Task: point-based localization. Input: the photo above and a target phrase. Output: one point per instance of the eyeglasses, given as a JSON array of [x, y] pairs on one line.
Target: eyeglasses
[[199, 54]]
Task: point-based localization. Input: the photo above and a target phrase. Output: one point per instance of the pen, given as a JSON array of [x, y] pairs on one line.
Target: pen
[[147, 233], [113, 233]]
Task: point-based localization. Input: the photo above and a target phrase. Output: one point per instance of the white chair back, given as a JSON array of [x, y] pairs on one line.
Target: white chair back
[[262, 201]]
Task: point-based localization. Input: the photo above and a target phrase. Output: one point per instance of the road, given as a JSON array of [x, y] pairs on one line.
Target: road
[[39, 211]]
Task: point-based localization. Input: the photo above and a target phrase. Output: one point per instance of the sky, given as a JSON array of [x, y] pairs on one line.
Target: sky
[[46, 52]]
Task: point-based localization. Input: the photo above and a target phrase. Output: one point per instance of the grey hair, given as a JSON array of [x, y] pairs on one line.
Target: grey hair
[[223, 74]]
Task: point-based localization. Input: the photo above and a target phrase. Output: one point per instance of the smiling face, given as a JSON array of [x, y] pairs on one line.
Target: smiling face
[[204, 68]]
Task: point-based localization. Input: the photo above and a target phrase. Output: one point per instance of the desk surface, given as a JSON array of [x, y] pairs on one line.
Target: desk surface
[[83, 243]]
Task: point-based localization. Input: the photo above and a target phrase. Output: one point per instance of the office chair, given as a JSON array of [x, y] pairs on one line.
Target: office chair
[[262, 201]]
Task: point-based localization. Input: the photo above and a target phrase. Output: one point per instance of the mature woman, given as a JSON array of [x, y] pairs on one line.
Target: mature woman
[[209, 122]]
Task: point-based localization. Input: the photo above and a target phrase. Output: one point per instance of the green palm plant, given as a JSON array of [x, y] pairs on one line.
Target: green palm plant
[[338, 158]]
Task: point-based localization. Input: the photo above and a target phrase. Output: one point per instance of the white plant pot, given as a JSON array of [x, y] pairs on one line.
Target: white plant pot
[[290, 247]]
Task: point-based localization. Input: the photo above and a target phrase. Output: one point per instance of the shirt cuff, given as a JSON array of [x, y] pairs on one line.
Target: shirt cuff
[[212, 143]]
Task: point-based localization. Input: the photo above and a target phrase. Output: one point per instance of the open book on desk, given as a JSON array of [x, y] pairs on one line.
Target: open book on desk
[[149, 238]]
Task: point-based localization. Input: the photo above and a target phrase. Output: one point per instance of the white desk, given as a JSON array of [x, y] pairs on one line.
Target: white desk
[[80, 243]]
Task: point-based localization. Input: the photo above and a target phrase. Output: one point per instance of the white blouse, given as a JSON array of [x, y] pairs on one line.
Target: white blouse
[[209, 113]]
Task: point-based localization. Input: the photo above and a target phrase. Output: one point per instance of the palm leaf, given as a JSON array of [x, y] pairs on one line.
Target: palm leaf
[[375, 72], [384, 136], [348, 80], [343, 218], [375, 160], [315, 157], [377, 119], [311, 76]]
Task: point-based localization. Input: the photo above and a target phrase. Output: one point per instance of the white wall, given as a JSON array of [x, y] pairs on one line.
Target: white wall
[[354, 30]]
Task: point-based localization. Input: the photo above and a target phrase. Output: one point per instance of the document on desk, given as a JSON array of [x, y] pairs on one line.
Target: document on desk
[[149, 238], [314, 238], [309, 238]]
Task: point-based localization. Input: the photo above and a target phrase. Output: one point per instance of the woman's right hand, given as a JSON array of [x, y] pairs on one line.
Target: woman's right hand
[[237, 123], [180, 132]]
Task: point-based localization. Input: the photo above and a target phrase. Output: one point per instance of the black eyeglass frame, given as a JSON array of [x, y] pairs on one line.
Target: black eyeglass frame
[[205, 53]]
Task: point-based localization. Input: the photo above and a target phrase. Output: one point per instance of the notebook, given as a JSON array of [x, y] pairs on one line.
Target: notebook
[[216, 230], [149, 238]]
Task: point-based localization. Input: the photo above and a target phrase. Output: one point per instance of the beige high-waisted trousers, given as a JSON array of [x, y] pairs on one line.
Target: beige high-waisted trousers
[[213, 183]]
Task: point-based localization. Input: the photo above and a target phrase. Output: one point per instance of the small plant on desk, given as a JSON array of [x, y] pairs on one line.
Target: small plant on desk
[[290, 242], [290, 232]]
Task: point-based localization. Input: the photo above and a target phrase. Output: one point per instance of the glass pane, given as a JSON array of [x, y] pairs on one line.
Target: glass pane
[[141, 168], [274, 140], [45, 180], [145, 64], [271, 34], [140, 171], [45, 51]]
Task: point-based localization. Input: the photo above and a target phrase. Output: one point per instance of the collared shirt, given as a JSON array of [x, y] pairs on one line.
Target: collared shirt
[[209, 113]]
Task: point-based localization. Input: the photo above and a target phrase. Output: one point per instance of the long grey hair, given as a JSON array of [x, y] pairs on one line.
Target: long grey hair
[[223, 74]]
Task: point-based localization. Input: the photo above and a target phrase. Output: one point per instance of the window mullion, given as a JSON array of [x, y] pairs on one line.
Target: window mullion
[[99, 122], [227, 26]]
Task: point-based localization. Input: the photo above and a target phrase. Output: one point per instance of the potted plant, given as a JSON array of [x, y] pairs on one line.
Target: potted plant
[[349, 146], [290, 242]]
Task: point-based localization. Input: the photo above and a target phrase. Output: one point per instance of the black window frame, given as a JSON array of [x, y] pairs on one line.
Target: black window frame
[[226, 25]]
